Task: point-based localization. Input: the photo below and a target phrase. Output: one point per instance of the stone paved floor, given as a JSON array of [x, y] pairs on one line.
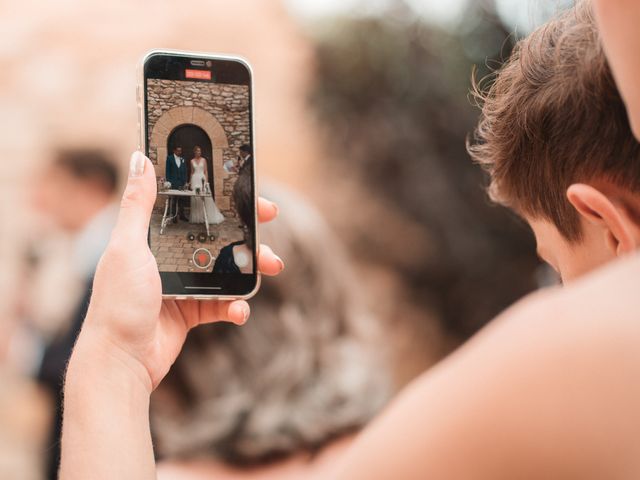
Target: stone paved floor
[[174, 251]]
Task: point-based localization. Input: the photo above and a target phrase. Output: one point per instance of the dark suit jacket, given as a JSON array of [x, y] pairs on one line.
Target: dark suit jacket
[[176, 176], [247, 165], [54, 364]]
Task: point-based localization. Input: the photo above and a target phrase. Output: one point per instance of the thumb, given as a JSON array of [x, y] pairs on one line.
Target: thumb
[[137, 201]]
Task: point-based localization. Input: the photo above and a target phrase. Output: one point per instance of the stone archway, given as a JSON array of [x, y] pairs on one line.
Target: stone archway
[[177, 116]]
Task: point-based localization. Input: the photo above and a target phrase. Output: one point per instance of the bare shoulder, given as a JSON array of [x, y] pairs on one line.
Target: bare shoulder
[[546, 391]]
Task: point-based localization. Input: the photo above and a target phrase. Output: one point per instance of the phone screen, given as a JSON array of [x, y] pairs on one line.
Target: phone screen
[[199, 137]]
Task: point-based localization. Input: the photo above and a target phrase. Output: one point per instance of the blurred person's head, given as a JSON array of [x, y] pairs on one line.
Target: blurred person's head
[[305, 370], [75, 186], [392, 96], [178, 151], [555, 138], [197, 151]]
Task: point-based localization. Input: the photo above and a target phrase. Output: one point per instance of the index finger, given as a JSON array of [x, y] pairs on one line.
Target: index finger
[[267, 210]]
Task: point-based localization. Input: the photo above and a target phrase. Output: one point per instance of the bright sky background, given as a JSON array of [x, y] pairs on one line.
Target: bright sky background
[[520, 15], [525, 15], [438, 11]]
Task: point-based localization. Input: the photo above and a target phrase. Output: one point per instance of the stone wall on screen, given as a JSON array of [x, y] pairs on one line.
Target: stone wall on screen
[[221, 110]]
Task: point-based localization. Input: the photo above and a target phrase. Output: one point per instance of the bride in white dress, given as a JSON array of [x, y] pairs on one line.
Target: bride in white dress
[[199, 180]]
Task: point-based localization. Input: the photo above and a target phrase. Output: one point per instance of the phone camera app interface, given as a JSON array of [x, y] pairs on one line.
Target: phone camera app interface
[[199, 139]]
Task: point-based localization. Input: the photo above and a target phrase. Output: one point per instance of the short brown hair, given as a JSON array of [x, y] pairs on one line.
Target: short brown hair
[[89, 165], [552, 117]]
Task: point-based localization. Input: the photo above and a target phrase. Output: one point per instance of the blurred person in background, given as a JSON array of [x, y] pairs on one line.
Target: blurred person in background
[[390, 94], [75, 194], [282, 396]]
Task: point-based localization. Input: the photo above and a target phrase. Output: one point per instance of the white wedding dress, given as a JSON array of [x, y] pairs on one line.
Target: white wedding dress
[[199, 180]]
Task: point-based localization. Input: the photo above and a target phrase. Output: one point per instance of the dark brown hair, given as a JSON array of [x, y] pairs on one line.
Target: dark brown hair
[[552, 117], [309, 367], [244, 203], [89, 165]]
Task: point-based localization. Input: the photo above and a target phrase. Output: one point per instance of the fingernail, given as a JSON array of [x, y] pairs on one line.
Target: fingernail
[[275, 208], [136, 164], [246, 311], [280, 263]]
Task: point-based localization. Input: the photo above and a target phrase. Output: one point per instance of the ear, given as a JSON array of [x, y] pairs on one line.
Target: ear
[[597, 209]]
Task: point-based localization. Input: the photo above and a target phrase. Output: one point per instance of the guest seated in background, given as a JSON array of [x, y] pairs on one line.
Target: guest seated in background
[[281, 396], [237, 257], [200, 183], [176, 174], [76, 193]]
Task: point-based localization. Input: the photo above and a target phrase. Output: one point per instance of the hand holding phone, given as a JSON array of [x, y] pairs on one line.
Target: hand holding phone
[[127, 314]]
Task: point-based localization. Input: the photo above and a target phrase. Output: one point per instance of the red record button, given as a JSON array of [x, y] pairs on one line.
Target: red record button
[[202, 258]]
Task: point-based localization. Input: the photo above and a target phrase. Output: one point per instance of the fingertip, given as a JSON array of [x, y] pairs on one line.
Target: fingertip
[[137, 199], [268, 262], [267, 210], [141, 169], [277, 265], [137, 164], [239, 312]]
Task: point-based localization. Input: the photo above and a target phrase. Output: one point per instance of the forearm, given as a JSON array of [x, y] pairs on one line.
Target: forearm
[[106, 417]]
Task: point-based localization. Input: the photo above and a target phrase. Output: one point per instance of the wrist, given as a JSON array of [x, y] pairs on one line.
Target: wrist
[[106, 415], [96, 358]]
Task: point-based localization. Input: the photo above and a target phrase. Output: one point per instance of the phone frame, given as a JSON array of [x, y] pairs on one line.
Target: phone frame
[[143, 146]]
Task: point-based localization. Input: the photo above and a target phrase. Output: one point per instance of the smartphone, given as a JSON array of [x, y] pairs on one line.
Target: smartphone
[[196, 127]]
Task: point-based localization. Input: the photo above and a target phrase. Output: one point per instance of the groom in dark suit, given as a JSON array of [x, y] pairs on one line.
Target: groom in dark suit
[[176, 174]]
